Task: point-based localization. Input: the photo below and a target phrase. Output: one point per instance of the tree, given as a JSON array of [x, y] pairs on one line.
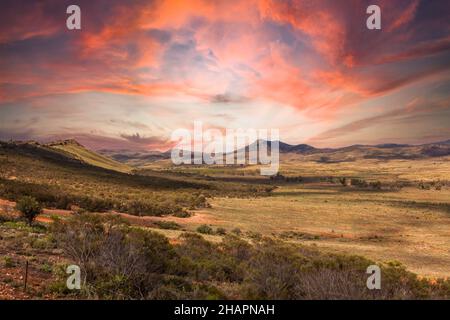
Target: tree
[[29, 207]]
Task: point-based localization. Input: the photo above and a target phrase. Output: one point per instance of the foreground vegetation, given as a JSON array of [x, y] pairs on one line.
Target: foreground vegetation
[[120, 261]]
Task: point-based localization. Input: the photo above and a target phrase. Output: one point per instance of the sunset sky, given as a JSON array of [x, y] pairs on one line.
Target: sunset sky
[[140, 69]]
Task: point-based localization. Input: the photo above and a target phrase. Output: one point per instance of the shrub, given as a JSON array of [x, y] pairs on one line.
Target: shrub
[[273, 272], [205, 229], [221, 231], [375, 185], [8, 262], [167, 225], [6, 218], [29, 208], [282, 271], [343, 181], [182, 214], [323, 159], [358, 183], [237, 248], [256, 236], [424, 186], [46, 268], [207, 261], [118, 261], [236, 231]]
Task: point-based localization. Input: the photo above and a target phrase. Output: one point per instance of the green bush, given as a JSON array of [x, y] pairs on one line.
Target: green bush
[[206, 261], [8, 262], [167, 225], [29, 208], [182, 214], [205, 229]]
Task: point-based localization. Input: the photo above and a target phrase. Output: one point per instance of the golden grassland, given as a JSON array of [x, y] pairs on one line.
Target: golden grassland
[[374, 225], [429, 169], [410, 225]]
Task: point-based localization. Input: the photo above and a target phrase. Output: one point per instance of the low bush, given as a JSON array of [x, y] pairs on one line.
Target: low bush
[[206, 261], [236, 231], [8, 262], [122, 262], [182, 214], [167, 225], [205, 229], [221, 231], [29, 208], [118, 261], [358, 183]]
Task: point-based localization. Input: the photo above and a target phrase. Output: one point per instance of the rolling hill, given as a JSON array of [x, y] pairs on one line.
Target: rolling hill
[[71, 148], [65, 151], [65, 174]]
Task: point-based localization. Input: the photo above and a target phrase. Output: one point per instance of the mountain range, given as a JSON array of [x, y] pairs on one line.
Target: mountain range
[[308, 152], [125, 160]]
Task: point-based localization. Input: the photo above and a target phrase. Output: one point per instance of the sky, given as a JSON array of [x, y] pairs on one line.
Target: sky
[[138, 70]]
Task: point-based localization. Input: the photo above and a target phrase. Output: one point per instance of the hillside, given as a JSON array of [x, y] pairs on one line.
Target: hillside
[[61, 175], [67, 151], [73, 149]]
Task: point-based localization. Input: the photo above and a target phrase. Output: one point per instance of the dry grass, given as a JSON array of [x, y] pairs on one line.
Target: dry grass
[[410, 225], [425, 169]]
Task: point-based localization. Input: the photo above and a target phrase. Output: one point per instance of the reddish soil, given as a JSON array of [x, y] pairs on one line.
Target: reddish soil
[[145, 221]]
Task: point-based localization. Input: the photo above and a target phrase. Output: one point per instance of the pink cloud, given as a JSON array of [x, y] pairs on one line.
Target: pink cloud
[[314, 56]]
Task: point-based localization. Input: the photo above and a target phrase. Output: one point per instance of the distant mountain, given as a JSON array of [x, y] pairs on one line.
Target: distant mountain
[[351, 153], [436, 150], [307, 152], [284, 147], [299, 148], [443, 142], [387, 151], [391, 145]]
